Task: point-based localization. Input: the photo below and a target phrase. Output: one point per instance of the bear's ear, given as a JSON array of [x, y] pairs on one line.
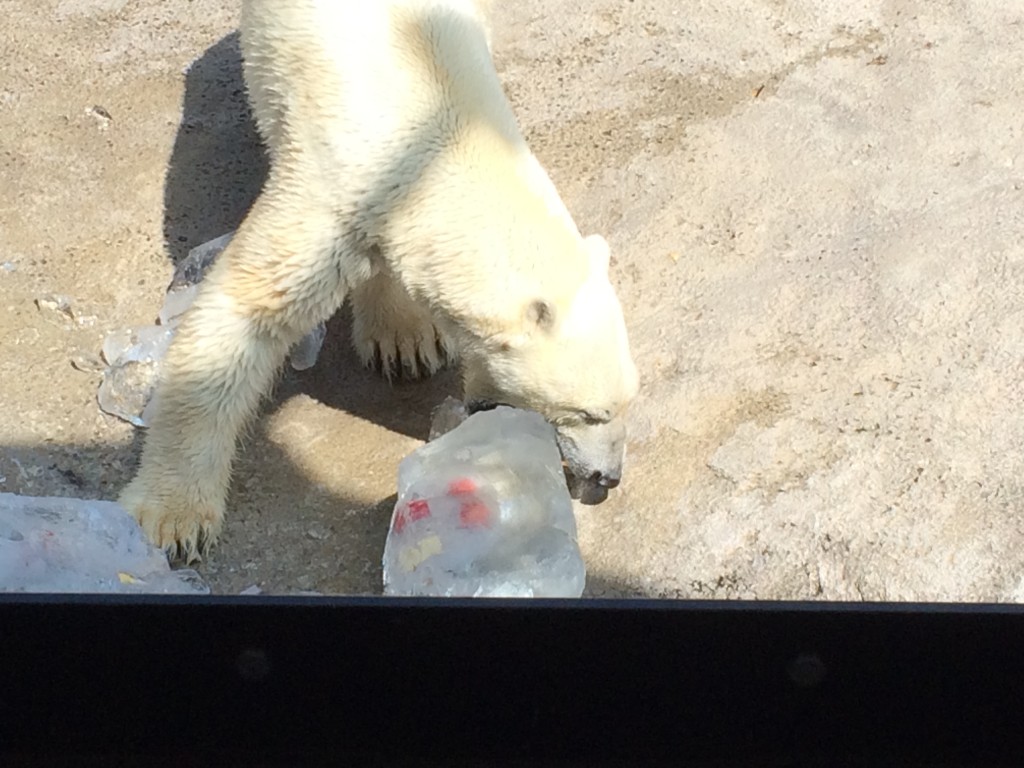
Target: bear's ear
[[540, 314], [539, 317], [599, 252]]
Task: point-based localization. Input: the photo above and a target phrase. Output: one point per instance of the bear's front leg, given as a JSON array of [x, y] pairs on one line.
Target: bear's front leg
[[272, 284], [217, 369]]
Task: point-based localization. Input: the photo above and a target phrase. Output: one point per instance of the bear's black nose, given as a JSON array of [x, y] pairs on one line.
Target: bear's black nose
[[605, 481]]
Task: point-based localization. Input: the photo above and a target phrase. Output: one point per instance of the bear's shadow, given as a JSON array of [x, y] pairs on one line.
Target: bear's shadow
[[215, 172]]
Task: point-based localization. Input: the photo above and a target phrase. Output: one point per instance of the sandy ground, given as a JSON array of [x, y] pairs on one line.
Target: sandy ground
[[816, 214]]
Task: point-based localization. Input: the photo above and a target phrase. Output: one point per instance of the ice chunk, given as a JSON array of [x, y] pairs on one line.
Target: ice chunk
[[134, 355], [133, 358], [145, 344], [446, 417], [176, 302], [52, 544], [192, 269], [484, 511], [188, 274], [304, 354], [126, 390]]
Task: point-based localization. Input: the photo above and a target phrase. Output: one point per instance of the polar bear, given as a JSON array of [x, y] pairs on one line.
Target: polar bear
[[400, 182]]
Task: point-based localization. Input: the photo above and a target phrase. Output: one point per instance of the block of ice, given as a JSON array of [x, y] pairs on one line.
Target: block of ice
[[56, 544], [484, 511]]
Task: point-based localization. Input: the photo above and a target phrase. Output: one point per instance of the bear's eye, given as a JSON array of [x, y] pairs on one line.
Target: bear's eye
[[575, 417], [594, 418]]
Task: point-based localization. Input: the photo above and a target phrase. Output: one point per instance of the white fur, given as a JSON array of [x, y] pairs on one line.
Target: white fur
[[400, 181]]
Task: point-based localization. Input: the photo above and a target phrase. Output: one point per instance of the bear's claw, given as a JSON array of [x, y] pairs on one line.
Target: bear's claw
[[405, 361], [185, 531]]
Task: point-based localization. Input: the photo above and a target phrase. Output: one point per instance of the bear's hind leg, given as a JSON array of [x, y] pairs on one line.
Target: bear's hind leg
[[394, 334], [278, 277]]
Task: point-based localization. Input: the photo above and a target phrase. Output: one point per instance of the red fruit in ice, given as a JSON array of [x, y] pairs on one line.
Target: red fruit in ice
[[473, 514], [461, 486], [418, 509]]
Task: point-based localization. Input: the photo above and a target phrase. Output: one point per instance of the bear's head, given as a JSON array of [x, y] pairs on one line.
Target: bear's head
[[566, 357]]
